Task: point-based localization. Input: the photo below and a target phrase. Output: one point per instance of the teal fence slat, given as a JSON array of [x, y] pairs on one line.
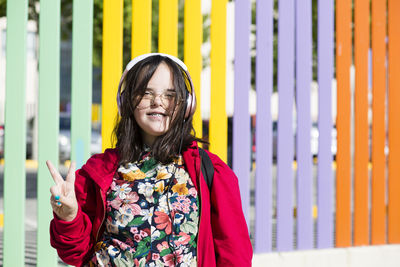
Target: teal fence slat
[[81, 93], [15, 134], [48, 122]]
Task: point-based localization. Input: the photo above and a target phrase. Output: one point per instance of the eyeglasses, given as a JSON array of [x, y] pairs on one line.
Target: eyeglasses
[[167, 98]]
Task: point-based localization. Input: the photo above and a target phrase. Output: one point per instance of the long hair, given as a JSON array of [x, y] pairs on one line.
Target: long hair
[[128, 135]]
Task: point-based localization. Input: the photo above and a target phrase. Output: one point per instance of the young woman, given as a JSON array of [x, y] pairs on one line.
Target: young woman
[[146, 203]]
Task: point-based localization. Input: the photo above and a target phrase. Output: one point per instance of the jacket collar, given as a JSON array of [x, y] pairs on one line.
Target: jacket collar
[[101, 167]]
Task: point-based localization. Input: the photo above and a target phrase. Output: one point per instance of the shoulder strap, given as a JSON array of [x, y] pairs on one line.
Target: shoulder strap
[[207, 168]]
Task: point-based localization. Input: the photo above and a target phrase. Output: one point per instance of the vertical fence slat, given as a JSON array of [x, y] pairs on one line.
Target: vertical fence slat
[[394, 123], [264, 86], [286, 34], [48, 122], [241, 116], [325, 76], [361, 155], [218, 118], [193, 36], [141, 27], [168, 27], [343, 161], [111, 66], [15, 134], [303, 151], [378, 207], [81, 91]]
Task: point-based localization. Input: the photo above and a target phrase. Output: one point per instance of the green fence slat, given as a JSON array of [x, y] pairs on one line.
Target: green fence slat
[[48, 122], [81, 95], [15, 134]]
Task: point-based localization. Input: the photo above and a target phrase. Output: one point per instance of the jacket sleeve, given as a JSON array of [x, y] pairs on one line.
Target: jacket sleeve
[[230, 232], [73, 240]]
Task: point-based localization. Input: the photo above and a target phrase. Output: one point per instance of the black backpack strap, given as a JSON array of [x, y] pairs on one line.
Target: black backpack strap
[[207, 168]]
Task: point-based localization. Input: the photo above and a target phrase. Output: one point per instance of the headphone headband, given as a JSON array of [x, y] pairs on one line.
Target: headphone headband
[[191, 97]]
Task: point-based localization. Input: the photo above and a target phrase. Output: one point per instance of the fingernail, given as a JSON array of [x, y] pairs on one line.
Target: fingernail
[[57, 197], [58, 203]]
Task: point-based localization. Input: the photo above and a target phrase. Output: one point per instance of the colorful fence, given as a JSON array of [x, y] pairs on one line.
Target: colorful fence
[[351, 218]]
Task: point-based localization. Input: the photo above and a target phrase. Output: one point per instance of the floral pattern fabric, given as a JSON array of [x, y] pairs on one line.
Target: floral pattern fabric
[[152, 217]]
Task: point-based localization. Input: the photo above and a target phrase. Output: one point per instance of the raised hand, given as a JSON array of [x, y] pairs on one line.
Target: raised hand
[[63, 199]]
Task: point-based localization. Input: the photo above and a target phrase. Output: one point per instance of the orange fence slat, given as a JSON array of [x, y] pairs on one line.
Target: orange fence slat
[[361, 185], [378, 206], [343, 63], [394, 122]]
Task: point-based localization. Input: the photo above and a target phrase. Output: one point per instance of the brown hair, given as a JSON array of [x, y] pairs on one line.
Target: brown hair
[[126, 130]]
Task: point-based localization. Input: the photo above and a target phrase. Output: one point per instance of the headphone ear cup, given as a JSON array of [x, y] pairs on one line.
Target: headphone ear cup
[[190, 104]]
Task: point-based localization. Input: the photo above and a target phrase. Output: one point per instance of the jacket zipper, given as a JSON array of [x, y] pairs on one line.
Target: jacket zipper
[[104, 216]]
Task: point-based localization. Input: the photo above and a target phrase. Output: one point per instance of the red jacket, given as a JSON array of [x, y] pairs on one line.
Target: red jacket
[[223, 238]]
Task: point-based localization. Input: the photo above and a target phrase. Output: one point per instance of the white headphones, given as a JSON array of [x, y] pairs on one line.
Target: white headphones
[[191, 97]]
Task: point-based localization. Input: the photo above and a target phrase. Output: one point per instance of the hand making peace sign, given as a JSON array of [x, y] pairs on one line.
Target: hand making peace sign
[[63, 199]]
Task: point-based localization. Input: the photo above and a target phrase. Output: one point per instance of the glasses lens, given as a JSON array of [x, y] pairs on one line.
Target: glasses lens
[[166, 98]]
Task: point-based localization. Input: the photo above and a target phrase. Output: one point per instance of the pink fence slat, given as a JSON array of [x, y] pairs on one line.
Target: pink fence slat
[[325, 76], [303, 97], [285, 125], [241, 118], [264, 85]]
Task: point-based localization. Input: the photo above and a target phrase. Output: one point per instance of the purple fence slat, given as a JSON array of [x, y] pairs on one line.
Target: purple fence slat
[[264, 85], [285, 125], [325, 75], [241, 118], [303, 97]]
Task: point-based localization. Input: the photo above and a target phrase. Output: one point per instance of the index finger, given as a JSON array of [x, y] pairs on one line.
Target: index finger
[[54, 173]]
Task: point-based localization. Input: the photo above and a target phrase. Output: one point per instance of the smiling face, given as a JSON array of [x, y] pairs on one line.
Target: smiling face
[[153, 113]]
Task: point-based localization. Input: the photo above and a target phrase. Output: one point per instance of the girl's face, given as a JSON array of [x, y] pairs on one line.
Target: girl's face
[[153, 113]]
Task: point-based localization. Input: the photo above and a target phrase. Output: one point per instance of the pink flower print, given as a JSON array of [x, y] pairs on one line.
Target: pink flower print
[[120, 244], [155, 256], [162, 246], [163, 221], [129, 242], [183, 239], [182, 203], [136, 209], [193, 192], [116, 203], [143, 233], [170, 259], [137, 237], [194, 207], [134, 230], [131, 197]]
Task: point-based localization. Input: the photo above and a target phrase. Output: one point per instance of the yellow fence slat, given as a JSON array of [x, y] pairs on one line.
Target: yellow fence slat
[[168, 27], [218, 118], [193, 37], [141, 27], [112, 65]]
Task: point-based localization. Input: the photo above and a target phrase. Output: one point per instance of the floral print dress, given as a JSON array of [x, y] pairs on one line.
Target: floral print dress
[[140, 205]]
